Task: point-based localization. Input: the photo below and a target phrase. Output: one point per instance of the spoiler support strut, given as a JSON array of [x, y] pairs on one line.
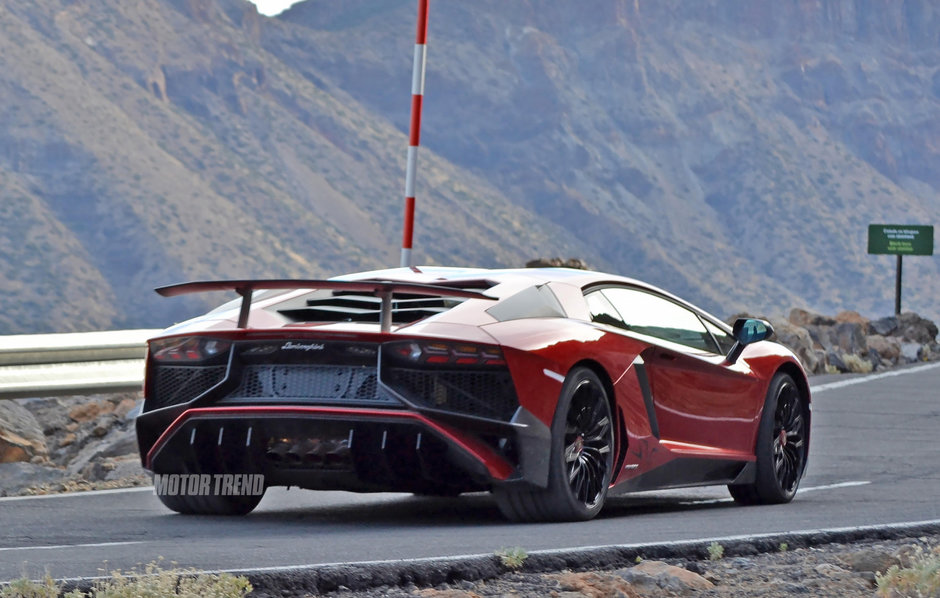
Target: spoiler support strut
[[246, 293]]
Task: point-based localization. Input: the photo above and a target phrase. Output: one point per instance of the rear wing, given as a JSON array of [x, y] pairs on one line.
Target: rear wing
[[384, 289]]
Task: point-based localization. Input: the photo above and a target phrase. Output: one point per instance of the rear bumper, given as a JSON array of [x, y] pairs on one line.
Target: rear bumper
[[343, 448]]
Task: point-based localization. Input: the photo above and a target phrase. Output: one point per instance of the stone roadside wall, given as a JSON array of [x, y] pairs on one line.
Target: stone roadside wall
[[849, 342]]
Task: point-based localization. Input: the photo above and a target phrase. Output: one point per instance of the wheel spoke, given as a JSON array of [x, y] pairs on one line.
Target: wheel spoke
[[599, 428], [571, 452], [594, 461], [574, 470], [795, 426]]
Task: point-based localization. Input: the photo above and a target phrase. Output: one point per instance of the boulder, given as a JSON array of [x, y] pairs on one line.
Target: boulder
[[887, 347], [845, 337], [798, 340], [51, 413], [804, 318], [871, 560], [86, 412], [117, 442], [911, 352], [557, 262], [824, 337], [579, 585], [913, 328], [850, 337], [883, 326], [657, 574], [21, 437], [852, 317]]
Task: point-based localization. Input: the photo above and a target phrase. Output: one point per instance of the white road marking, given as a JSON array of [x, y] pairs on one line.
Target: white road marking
[[832, 486], [863, 379], [77, 494], [96, 545], [563, 551], [745, 537], [715, 501]]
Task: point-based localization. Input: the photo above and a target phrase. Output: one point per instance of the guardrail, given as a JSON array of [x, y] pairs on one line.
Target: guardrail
[[81, 363]]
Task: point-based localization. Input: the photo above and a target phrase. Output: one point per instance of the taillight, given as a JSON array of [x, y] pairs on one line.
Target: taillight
[[441, 353], [187, 349]]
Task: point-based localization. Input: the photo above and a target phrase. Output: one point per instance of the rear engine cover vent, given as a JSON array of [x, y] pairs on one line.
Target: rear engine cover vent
[[340, 306]]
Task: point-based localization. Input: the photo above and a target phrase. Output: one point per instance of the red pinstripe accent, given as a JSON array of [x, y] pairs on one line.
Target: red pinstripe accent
[[416, 102], [408, 234], [497, 466], [422, 30]]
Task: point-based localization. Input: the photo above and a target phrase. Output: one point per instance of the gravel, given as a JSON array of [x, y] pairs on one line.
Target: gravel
[[836, 569]]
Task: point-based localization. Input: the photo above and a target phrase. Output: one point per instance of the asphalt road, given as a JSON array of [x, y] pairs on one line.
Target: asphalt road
[[873, 460]]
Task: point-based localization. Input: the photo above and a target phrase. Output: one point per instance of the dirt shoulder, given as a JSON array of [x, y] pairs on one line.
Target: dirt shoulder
[[831, 569]]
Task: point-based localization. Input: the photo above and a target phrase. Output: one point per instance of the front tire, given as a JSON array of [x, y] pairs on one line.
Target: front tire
[[782, 442], [581, 460]]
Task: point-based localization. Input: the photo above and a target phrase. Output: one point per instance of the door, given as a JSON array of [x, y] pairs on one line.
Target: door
[[698, 398]]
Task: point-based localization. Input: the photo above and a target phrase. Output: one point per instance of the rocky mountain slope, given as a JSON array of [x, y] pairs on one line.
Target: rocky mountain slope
[[732, 152]]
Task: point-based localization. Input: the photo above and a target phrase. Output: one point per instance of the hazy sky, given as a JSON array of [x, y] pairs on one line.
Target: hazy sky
[[272, 7]]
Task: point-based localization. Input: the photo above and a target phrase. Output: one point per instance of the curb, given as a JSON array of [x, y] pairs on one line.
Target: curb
[[433, 572], [321, 579]]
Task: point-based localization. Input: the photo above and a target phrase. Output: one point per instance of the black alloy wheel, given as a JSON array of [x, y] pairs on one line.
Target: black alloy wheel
[[588, 444], [788, 439], [782, 443], [582, 458]]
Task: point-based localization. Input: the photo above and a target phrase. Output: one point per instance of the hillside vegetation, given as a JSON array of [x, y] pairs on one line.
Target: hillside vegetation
[[732, 152]]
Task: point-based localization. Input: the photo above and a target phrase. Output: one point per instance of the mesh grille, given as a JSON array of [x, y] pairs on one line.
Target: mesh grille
[[181, 384], [309, 382], [488, 394]]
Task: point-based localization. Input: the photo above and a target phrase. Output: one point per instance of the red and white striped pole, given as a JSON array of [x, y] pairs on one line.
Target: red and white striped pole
[[417, 96]]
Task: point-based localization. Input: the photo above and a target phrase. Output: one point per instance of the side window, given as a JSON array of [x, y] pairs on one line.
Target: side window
[[655, 316], [602, 311], [725, 341]]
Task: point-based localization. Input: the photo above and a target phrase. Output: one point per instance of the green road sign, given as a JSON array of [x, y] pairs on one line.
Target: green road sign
[[900, 239]]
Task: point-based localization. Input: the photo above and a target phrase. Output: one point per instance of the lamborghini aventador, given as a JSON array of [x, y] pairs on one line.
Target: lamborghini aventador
[[550, 388]]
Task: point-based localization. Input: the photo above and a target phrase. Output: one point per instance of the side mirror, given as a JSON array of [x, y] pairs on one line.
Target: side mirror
[[746, 331]]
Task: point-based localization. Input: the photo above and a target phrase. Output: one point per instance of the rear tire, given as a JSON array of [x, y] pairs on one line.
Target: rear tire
[[581, 461], [782, 441], [211, 505]]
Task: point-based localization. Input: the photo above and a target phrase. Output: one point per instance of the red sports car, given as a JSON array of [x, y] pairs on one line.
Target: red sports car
[[552, 388]]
